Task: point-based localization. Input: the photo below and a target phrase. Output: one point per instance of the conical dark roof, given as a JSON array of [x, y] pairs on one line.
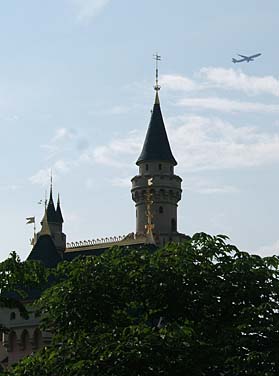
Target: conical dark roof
[[51, 212], [156, 145], [59, 216], [45, 251]]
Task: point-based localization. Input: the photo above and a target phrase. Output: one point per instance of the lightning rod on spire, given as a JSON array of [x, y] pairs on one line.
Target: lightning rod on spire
[[157, 58], [51, 179]]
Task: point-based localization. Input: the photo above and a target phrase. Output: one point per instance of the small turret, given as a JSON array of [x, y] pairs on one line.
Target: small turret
[[45, 250], [55, 221]]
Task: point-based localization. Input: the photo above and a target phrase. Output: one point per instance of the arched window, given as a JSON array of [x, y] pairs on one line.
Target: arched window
[[161, 210], [12, 339], [25, 340], [38, 339], [12, 316], [146, 167], [173, 225], [160, 166]]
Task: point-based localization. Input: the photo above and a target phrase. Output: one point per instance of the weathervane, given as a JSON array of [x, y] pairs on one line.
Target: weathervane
[[157, 58]]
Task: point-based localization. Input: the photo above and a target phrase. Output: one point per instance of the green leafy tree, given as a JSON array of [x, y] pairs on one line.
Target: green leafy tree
[[17, 279], [197, 308]]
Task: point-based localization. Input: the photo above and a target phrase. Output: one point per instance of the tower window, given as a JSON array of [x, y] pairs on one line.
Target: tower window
[[161, 209], [146, 167], [160, 166], [173, 225]]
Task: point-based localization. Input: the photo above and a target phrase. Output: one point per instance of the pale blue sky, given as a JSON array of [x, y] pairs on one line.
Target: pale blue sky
[[76, 82]]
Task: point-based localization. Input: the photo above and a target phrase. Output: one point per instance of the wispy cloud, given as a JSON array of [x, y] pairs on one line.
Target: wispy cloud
[[65, 152], [211, 143], [227, 105], [59, 142], [121, 182], [42, 177], [199, 143], [237, 80], [217, 77], [116, 151], [269, 250], [89, 9], [179, 83], [62, 154], [207, 187]]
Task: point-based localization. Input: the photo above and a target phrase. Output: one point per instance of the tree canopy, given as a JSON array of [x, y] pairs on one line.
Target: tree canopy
[[197, 308], [17, 279]]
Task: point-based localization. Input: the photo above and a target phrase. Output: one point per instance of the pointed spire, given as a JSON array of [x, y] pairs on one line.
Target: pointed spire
[[156, 145], [50, 208], [59, 215], [157, 100]]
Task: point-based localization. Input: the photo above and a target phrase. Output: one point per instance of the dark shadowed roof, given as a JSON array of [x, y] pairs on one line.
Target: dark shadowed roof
[[50, 210], [59, 216], [45, 251], [156, 145]]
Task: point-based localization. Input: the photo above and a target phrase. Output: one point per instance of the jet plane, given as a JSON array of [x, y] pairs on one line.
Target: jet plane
[[245, 58]]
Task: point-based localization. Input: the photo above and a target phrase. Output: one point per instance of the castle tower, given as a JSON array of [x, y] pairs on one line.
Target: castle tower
[[55, 224], [157, 162]]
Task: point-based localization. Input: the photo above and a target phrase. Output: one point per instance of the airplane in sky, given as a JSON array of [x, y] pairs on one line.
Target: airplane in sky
[[245, 58]]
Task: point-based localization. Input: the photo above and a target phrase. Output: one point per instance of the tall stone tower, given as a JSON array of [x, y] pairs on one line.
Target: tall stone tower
[[156, 164]]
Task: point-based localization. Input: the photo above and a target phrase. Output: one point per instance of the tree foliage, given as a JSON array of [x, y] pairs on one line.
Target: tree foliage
[[197, 308], [16, 280]]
